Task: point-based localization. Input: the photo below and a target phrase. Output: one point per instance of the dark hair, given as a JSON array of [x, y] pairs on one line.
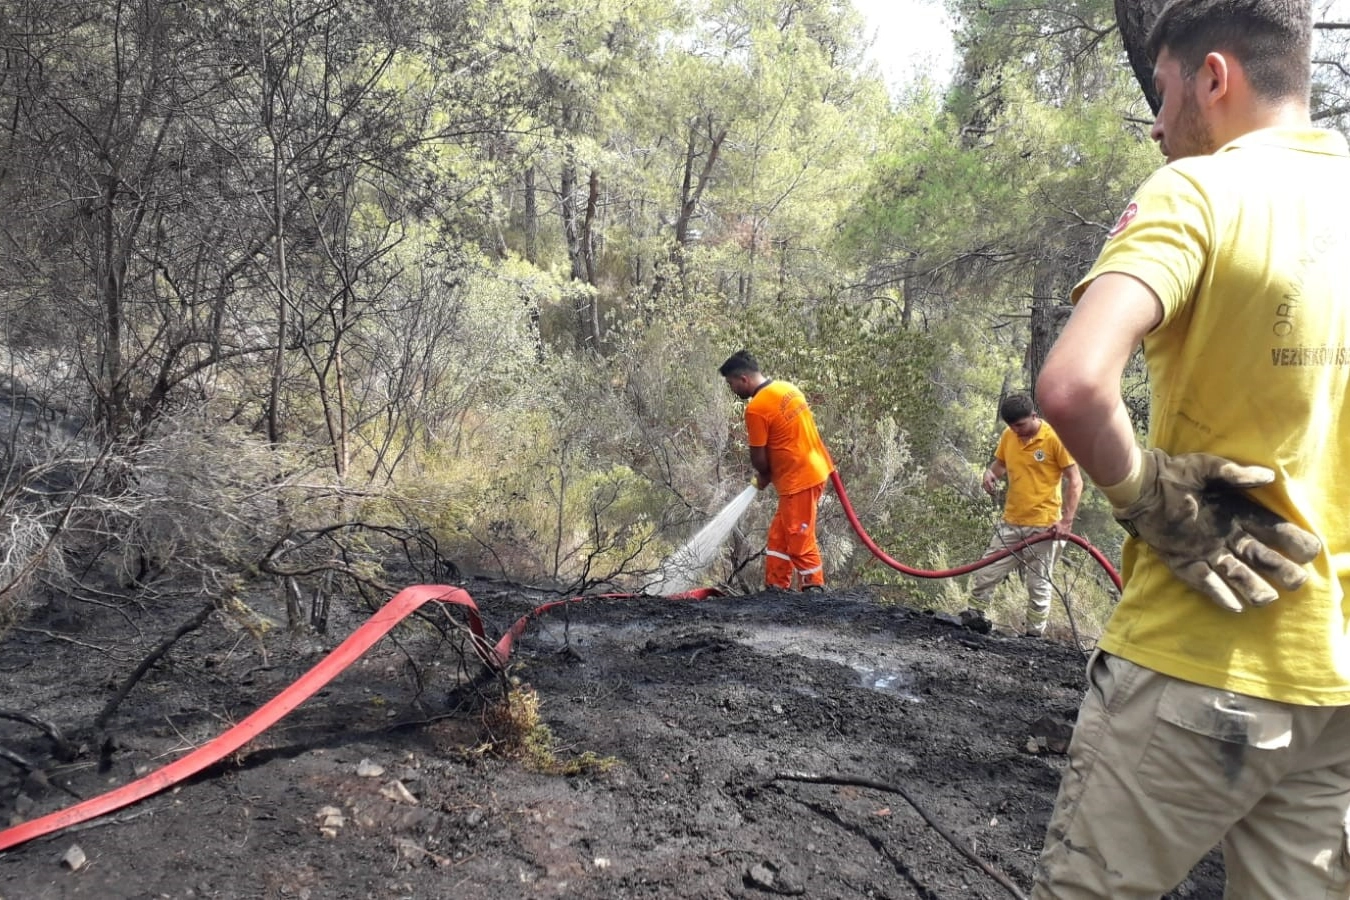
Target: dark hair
[[738, 363], [1272, 39], [1015, 408]]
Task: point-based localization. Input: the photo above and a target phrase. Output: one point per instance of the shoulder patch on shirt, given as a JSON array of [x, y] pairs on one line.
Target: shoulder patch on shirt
[[1123, 222]]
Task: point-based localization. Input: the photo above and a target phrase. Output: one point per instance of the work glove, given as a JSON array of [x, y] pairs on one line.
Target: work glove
[[1214, 538]]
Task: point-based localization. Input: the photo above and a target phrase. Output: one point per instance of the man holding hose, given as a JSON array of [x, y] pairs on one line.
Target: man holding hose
[[787, 452], [1218, 701], [1043, 491]]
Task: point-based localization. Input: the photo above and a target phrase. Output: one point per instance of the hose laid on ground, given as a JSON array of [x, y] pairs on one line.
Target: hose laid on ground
[[377, 626], [968, 567], [403, 604]]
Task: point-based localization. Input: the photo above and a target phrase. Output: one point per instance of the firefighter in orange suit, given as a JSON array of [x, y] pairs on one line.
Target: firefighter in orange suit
[[786, 451]]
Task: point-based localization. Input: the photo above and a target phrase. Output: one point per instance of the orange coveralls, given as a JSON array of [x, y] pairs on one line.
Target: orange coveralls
[[779, 419]]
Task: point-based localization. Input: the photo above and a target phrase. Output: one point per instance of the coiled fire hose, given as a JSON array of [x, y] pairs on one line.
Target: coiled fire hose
[[403, 604]]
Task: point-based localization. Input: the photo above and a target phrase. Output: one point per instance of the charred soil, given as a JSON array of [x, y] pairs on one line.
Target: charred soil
[[664, 760]]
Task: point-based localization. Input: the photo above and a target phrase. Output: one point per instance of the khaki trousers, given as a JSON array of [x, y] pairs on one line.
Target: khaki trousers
[[1036, 563], [1161, 770]]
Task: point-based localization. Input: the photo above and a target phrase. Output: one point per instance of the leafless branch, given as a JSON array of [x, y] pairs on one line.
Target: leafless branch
[[65, 750], [950, 838], [192, 624]]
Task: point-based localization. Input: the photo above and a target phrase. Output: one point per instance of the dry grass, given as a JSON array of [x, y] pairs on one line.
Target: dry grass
[[517, 732]]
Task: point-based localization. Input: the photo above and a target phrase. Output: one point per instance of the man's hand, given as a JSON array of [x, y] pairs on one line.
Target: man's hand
[[1191, 511], [1062, 527], [990, 482]]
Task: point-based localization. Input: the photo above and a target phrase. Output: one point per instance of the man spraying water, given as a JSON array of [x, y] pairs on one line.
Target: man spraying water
[[787, 452]]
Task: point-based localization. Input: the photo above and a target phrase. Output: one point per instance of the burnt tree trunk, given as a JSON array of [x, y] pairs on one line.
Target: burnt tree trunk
[[1135, 18], [1050, 284]]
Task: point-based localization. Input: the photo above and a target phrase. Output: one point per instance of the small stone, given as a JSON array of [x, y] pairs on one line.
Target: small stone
[[74, 858], [368, 769], [396, 791], [775, 878], [1053, 734], [761, 876], [330, 819]]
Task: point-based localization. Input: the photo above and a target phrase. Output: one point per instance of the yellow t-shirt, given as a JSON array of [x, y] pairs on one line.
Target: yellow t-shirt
[[1249, 252], [1035, 472], [778, 417]]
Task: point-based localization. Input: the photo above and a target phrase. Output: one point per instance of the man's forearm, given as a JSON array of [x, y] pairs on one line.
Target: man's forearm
[[759, 461], [1101, 438], [1079, 385], [1073, 492]]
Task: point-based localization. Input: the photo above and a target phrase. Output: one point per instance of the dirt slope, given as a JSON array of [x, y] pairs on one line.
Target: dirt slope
[[692, 708]]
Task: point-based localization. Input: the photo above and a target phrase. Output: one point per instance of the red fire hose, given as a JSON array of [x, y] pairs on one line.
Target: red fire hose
[[968, 567], [389, 615]]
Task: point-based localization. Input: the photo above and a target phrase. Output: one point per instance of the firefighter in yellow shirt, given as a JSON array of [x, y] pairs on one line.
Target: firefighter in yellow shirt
[[1035, 463], [1218, 702]]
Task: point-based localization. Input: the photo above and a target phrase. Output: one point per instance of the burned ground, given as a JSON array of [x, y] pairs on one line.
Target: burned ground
[[672, 725]]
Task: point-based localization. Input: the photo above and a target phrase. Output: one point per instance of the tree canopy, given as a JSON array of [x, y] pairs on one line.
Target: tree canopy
[[452, 278]]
